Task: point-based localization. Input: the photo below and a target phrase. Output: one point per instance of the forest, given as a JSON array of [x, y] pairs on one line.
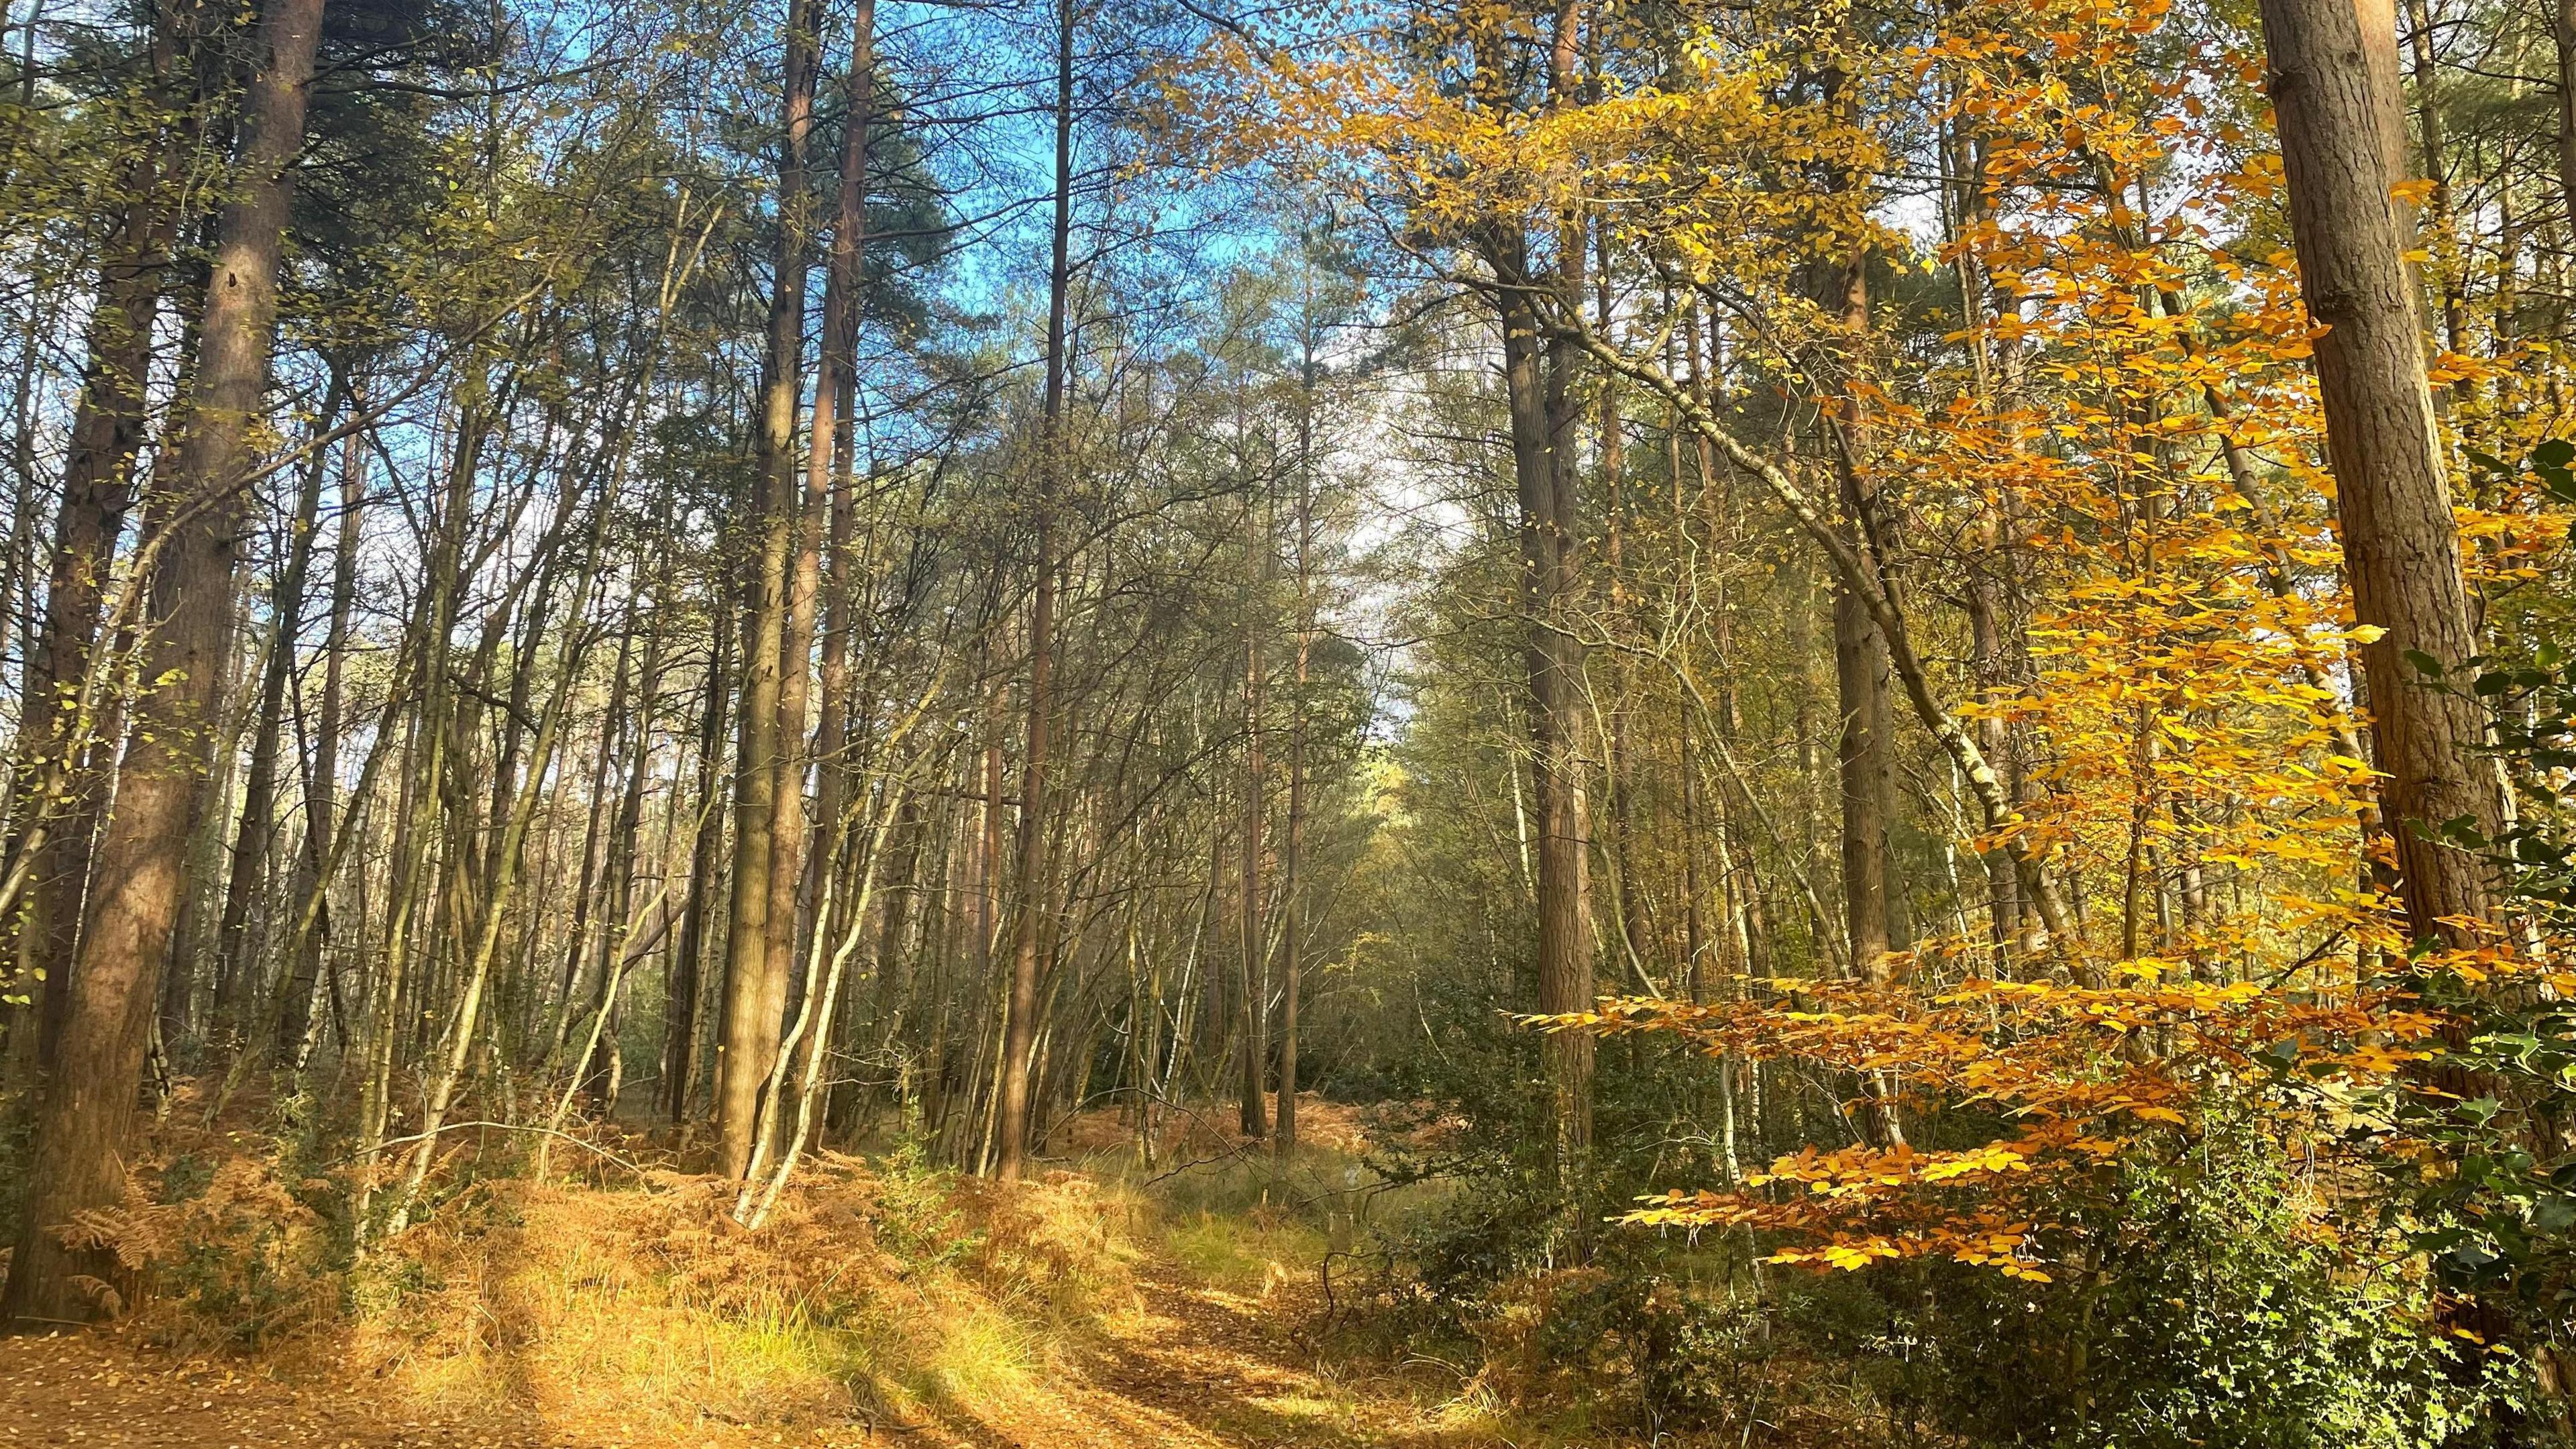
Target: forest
[[1414, 723]]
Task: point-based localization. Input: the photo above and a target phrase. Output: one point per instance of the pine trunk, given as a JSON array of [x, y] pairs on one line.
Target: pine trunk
[[85, 1122]]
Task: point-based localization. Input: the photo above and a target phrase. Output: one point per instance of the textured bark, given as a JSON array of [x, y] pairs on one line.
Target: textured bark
[[86, 1119], [756, 976], [2401, 545], [58, 795], [1548, 582]]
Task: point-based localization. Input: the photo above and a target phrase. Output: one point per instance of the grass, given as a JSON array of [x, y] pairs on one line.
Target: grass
[[881, 1293], [1249, 1255], [595, 1306]]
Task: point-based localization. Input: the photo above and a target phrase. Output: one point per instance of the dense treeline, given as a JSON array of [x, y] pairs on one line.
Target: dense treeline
[[550, 513], [850, 574]]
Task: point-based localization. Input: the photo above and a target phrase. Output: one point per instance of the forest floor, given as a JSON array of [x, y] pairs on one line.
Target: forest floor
[[1189, 1365], [880, 1306]]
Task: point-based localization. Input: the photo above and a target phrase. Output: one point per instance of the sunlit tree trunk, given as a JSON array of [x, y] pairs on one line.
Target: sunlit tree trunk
[[834, 455], [2401, 545], [756, 973], [86, 1118]]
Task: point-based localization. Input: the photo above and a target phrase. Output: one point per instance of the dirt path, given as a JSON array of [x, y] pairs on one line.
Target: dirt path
[[91, 1389], [1192, 1367], [1199, 1366]]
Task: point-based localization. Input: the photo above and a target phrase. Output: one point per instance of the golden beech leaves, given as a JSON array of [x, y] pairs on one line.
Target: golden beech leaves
[[2122, 421], [2081, 1077]]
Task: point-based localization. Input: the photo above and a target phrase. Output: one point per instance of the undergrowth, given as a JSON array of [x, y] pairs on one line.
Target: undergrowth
[[883, 1290], [868, 1295], [886, 1291]]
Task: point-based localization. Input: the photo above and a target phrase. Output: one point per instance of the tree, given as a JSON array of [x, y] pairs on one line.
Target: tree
[[2383, 443], [768, 782], [87, 1119], [1028, 928]]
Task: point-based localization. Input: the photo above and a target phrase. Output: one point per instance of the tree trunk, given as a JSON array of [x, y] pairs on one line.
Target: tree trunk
[[2401, 545], [1254, 1112], [1548, 573], [58, 794], [256, 835], [599, 1069], [321, 787], [1866, 753], [507, 869], [1292, 858], [86, 1118], [680, 1001], [756, 976], [1019, 1036], [834, 452], [582, 937]]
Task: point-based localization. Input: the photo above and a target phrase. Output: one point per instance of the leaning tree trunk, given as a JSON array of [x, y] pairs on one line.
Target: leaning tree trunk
[[86, 1119]]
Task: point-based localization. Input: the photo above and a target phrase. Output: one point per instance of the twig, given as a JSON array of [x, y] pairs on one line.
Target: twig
[[592, 1147]]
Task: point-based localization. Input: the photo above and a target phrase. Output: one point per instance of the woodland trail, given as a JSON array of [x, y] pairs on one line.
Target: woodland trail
[[1188, 1367]]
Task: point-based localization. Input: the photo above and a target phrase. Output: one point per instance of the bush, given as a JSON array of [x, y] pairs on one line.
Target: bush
[[2222, 1306], [2223, 1298]]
